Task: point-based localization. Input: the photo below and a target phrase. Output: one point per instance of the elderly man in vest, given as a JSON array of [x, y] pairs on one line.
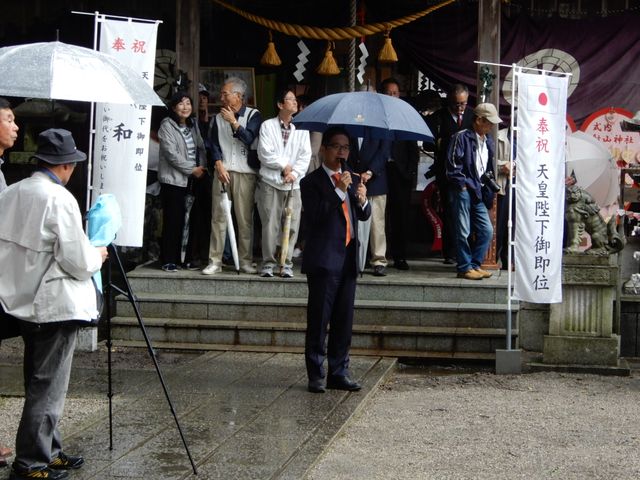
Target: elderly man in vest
[[234, 132], [47, 263]]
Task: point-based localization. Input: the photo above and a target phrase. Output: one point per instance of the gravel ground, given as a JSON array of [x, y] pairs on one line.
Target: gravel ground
[[421, 425]]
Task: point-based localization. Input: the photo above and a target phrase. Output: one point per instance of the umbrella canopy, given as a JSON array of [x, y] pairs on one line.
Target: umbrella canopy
[[385, 116], [593, 167], [56, 70]]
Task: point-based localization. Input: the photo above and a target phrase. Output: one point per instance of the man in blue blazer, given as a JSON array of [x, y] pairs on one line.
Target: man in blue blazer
[[333, 200]]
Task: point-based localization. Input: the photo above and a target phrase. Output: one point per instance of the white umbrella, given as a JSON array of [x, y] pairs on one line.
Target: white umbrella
[[226, 207], [60, 71], [364, 230], [593, 167]]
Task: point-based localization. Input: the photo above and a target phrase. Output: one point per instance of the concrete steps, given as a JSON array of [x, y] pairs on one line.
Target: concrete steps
[[428, 314]]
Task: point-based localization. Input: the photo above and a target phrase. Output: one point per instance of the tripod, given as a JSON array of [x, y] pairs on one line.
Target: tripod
[[113, 253]]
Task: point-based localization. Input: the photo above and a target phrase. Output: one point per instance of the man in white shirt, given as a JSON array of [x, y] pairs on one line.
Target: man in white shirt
[[284, 154]]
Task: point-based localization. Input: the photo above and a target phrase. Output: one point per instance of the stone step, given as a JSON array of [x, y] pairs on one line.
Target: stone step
[[272, 349], [425, 286], [292, 334], [268, 309]]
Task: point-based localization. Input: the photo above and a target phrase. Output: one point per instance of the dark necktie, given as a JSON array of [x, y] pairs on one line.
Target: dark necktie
[[345, 211], [459, 121]]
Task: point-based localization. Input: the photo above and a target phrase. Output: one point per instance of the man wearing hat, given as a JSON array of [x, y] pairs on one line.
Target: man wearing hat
[[47, 263], [469, 159]]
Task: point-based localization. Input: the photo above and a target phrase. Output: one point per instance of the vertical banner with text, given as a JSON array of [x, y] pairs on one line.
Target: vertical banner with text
[[542, 105], [122, 131]]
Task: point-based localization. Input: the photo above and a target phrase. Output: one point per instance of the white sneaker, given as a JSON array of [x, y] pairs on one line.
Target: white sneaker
[[267, 271], [286, 272], [211, 269], [248, 268]]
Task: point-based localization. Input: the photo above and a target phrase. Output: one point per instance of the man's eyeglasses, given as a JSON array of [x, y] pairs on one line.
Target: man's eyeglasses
[[463, 104], [338, 147]]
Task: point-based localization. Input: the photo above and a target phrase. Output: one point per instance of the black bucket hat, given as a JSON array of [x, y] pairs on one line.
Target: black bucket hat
[[57, 147]]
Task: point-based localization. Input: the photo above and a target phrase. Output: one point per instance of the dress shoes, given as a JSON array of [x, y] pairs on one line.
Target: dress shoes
[[449, 261], [343, 383], [401, 264], [316, 386], [379, 271]]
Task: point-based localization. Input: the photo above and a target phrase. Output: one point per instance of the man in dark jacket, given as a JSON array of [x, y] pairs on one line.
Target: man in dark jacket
[[471, 154], [402, 166], [444, 123], [331, 198]]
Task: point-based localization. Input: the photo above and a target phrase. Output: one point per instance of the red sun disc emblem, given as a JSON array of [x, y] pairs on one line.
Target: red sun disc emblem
[[542, 98]]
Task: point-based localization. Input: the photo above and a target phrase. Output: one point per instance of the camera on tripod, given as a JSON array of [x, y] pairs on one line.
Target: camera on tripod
[[489, 180]]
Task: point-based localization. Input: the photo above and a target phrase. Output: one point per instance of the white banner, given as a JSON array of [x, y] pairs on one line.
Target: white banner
[[122, 131], [542, 105]]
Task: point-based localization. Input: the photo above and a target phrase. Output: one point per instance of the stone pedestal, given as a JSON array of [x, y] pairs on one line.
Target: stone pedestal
[[87, 340], [581, 327]]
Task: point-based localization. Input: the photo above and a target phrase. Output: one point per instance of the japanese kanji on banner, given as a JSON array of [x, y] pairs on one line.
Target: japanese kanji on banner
[[542, 105], [122, 131]]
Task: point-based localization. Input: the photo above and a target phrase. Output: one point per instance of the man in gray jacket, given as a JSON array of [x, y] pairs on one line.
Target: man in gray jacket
[[46, 262]]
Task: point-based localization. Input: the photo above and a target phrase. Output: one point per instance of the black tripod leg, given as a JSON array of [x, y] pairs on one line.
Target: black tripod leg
[[114, 253], [108, 292]]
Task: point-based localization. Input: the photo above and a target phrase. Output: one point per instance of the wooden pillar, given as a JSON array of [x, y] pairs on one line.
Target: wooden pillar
[[188, 42], [489, 51]]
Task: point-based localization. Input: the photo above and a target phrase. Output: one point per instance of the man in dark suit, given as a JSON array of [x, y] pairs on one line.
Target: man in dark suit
[[402, 166], [368, 157], [334, 202], [443, 123]]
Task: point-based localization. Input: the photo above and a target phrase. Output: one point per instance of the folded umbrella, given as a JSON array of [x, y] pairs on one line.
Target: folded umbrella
[[188, 205], [286, 228], [104, 219], [226, 207]]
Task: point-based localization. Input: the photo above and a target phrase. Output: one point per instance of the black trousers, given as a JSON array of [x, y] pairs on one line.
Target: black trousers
[[330, 304], [172, 222], [398, 205], [448, 232]]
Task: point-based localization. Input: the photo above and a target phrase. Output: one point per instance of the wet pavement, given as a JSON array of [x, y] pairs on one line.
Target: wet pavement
[[244, 415]]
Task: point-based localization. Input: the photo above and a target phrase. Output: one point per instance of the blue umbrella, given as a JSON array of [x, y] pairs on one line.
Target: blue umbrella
[[385, 117]]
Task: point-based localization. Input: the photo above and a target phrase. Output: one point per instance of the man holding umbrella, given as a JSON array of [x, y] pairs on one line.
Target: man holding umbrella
[[47, 263], [334, 202], [284, 154]]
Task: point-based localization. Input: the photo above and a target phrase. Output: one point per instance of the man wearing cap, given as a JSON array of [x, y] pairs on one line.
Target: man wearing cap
[[47, 263], [470, 156]]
